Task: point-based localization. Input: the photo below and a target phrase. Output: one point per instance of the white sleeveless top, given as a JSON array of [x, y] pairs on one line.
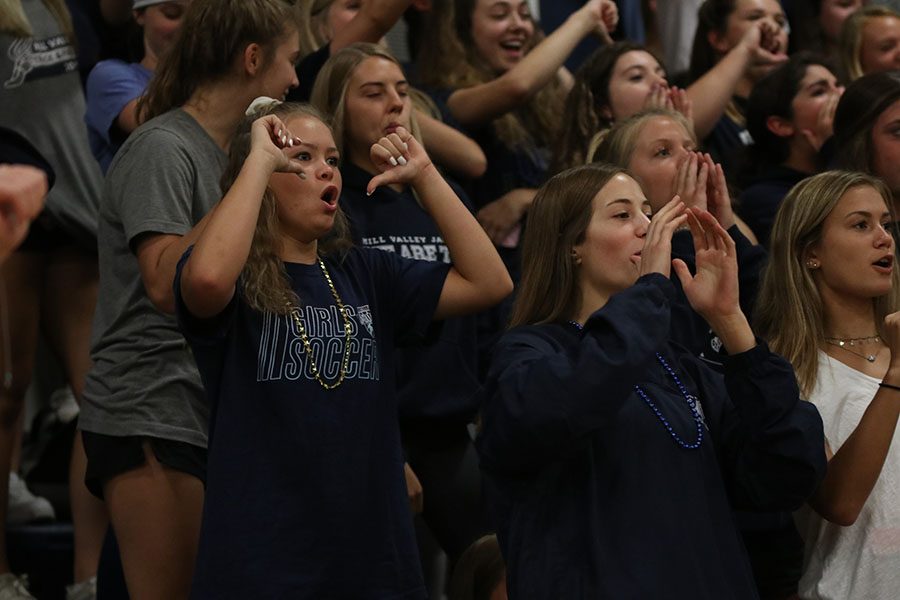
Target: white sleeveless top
[[861, 561]]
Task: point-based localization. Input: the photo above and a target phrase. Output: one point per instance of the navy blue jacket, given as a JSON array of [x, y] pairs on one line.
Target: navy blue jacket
[[592, 495]]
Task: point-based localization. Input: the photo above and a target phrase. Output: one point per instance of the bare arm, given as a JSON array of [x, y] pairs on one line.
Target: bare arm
[[23, 189], [451, 148], [478, 278], [374, 19], [856, 466], [711, 93], [223, 244], [482, 103], [127, 121]]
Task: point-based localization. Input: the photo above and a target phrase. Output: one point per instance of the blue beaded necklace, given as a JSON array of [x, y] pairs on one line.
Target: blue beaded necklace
[[690, 399]]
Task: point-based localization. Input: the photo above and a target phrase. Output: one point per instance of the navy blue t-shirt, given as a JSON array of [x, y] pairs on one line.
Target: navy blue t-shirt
[[437, 381], [305, 493]]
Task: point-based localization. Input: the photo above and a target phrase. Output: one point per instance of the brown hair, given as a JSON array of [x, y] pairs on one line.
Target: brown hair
[[451, 61], [789, 310], [858, 109], [213, 35], [265, 284], [557, 221], [584, 105]]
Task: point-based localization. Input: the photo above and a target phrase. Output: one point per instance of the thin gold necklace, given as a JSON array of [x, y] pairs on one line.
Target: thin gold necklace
[[846, 344], [304, 338]]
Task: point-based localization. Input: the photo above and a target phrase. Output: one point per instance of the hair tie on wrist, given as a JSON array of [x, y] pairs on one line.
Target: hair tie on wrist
[[889, 385]]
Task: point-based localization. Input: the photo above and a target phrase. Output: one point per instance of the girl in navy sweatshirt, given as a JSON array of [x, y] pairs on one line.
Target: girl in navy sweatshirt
[[612, 456]]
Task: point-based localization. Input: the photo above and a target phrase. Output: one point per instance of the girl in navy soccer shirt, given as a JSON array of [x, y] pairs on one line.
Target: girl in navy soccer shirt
[[294, 332]]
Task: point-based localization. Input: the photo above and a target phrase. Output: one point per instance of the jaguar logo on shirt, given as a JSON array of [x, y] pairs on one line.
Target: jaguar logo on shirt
[[34, 59]]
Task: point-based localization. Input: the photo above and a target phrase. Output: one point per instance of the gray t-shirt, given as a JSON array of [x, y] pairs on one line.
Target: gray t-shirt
[[41, 99], [144, 380]]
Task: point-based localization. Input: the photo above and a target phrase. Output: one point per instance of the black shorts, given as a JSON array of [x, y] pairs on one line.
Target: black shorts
[[111, 455], [45, 235]]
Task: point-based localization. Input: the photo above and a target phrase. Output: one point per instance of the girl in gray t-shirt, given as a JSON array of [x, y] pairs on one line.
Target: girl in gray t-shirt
[[144, 421]]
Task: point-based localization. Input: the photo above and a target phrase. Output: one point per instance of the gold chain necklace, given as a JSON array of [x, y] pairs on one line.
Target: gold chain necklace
[[304, 338]]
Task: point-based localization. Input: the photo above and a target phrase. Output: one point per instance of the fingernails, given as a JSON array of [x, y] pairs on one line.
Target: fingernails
[[291, 142], [401, 160], [283, 140], [393, 161], [369, 192], [405, 146]]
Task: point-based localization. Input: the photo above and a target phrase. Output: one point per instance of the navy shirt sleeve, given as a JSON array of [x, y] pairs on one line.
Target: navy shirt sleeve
[[541, 398], [408, 289], [769, 442]]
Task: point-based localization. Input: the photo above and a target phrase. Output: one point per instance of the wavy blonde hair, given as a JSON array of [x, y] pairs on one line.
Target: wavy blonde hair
[[450, 61], [789, 309], [264, 282], [14, 21], [313, 14]]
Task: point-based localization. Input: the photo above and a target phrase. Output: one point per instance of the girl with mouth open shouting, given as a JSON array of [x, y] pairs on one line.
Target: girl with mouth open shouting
[[294, 331], [613, 457]]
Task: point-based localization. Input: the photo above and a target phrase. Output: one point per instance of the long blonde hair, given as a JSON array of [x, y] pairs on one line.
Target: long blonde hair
[[852, 35], [14, 22], [213, 35], [789, 309], [313, 14], [450, 61], [265, 284]]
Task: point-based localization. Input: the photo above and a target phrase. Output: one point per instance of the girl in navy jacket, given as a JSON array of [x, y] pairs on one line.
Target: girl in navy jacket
[[613, 457]]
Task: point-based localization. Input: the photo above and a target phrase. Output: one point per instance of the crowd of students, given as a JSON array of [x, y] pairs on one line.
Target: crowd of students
[[612, 337]]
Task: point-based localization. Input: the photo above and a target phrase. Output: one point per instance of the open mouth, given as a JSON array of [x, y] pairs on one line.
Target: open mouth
[[513, 45], [885, 263], [330, 195]]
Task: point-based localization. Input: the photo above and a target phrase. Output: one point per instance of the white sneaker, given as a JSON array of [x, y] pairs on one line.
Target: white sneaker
[[63, 403], [24, 507], [14, 587], [84, 590]]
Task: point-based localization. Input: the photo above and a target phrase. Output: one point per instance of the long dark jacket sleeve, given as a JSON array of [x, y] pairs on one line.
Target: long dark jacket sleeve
[[592, 495]]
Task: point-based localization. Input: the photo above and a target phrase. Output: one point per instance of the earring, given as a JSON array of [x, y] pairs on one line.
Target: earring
[[812, 264]]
